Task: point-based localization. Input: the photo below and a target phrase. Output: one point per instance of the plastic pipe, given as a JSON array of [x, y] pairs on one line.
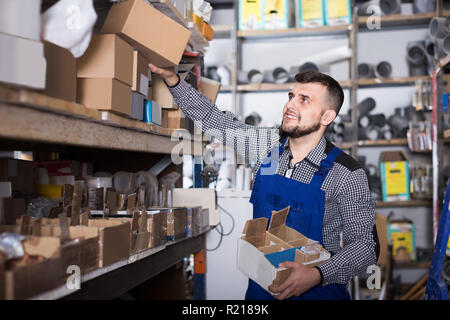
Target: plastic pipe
[[277, 75], [328, 56], [366, 70], [424, 6], [383, 70], [390, 6], [365, 106], [251, 76], [436, 28], [416, 56]]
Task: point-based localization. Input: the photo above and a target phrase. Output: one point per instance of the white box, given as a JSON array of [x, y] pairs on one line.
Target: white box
[[22, 61], [258, 247], [21, 18]]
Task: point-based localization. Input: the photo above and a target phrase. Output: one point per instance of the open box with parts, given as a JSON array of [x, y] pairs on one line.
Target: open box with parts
[[261, 250]]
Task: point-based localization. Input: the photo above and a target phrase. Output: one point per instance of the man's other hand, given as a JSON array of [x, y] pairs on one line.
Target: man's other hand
[[301, 279], [168, 74]]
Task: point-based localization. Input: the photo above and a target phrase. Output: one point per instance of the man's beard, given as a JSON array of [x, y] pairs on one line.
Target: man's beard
[[298, 132]]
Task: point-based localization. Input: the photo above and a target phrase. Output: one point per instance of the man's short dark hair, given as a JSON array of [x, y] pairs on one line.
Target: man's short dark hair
[[335, 91]]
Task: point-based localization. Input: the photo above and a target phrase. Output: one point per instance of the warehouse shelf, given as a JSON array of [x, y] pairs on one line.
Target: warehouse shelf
[[400, 20], [412, 265], [411, 203], [374, 143], [392, 81], [24, 114], [277, 33], [111, 281], [198, 42]]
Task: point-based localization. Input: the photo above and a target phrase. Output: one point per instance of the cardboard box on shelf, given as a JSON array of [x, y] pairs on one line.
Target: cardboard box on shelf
[[394, 174], [209, 88], [276, 14], [115, 240], [203, 197], [337, 12], [19, 172], [176, 221], [402, 237], [382, 229], [21, 18], [310, 13], [61, 75], [23, 62], [152, 112], [157, 226], [37, 275], [104, 94], [261, 250], [173, 119], [140, 74], [208, 31], [137, 106], [108, 56], [251, 15], [160, 39]]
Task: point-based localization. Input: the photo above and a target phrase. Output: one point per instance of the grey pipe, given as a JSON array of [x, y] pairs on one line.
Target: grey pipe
[[365, 106], [399, 125], [347, 131], [390, 6], [439, 47], [443, 46], [436, 28], [363, 8], [383, 70], [369, 133], [387, 134], [447, 24], [429, 50], [277, 75], [251, 76], [366, 70], [417, 58], [376, 120], [424, 6], [307, 66], [253, 119]]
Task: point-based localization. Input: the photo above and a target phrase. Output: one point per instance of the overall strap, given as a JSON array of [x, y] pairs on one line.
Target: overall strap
[[325, 166]]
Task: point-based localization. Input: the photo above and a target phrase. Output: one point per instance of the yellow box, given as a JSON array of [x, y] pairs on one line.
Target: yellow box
[[207, 31], [250, 14]]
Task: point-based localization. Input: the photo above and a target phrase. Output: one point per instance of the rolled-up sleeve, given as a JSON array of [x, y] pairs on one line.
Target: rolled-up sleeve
[[357, 210]]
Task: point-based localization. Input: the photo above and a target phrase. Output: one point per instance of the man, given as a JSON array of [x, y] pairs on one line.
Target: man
[[326, 189]]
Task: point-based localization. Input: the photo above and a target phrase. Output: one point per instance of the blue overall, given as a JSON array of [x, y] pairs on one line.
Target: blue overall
[[272, 191]]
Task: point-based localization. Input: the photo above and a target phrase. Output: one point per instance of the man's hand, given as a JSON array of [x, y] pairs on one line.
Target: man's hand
[[168, 74], [301, 279]]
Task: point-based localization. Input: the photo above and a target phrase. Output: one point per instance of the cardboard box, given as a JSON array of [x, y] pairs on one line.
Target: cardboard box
[[198, 21], [104, 94], [209, 88], [394, 174], [88, 238], [61, 75], [173, 119], [337, 12], [276, 14], [19, 172], [22, 62], [152, 112], [382, 229], [108, 56], [140, 74], [27, 280], [310, 13], [21, 18], [137, 106], [251, 15], [402, 238], [195, 221], [176, 222], [203, 197], [161, 93], [160, 39], [260, 251], [115, 240], [140, 236], [157, 227]]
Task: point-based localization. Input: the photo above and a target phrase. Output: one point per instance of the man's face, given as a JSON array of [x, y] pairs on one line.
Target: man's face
[[302, 113]]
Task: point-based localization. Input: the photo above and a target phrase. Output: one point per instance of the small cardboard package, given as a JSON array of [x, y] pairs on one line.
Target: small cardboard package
[[261, 250], [107, 56], [209, 88], [207, 31], [61, 76], [22, 62], [402, 237], [251, 15], [104, 94], [394, 174], [160, 39], [337, 12], [276, 14], [140, 74], [114, 240], [310, 13], [157, 226], [176, 222]]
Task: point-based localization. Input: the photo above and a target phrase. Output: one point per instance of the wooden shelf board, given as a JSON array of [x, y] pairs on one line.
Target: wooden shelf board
[[401, 19], [275, 87], [412, 265], [294, 31], [32, 116], [391, 81], [411, 203]]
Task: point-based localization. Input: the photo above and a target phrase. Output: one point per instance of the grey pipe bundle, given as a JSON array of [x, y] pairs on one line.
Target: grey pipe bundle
[[307, 66], [424, 6], [377, 120], [366, 70], [390, 6], [387, 133], [437, 28], [383, 70], [429, 50], [443, 46], [399, 125], [417, 58], [251, 76], [369, 133], [278, 75], [365, 106]]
